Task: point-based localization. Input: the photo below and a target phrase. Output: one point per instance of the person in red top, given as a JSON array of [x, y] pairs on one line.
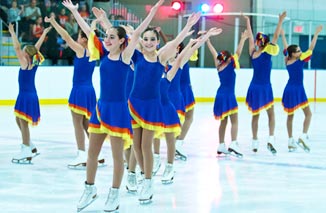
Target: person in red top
[[83, 11], [63, 18], [37, 29]]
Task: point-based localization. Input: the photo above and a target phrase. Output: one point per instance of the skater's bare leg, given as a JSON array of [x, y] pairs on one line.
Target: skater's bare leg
[[307, 119], [170, 142], [157, 144], [132, 161], [289, 125], [126, 154], [254, 126], [78, 120], [221, 130], [234, 126], [95, 145], [137, 147], [189, 117], [24, 129], [117, 154], [271, 120], [85, 125], [146, 147]]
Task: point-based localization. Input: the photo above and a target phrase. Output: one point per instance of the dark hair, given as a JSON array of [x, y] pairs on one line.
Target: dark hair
[[82, 34], [262, 39], [181, 47], [152, 29], [291, 49], [121, 32], [223, 56]]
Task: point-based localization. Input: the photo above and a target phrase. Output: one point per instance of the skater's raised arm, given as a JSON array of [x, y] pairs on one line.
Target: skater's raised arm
[[285, 43], [278, 27], [200, 41], [100, 14], [75, 46], [165, 53], [17, 47], [314, 39], [74, 10], [244, 36], [250, 35], [41, 39]]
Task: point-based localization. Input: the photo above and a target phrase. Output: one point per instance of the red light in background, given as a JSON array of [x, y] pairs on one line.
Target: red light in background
[[176, 5], [298, 29]]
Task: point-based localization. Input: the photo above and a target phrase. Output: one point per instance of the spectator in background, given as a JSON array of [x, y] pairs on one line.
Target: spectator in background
[[52, 46], [31, 14], [63, 18], [71, 26], [14, 14], [38, 29], [83, 11]]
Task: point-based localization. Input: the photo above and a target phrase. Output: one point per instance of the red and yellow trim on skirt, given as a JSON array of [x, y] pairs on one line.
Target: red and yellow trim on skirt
[[227, 113], [80, 110], [290, 111], [26, 117], [158, 127], [190, 107], [181, 115], [102, 128], [265, 107]]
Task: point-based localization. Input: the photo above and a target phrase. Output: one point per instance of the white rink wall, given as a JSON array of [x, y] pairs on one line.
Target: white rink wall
[[55, 82]]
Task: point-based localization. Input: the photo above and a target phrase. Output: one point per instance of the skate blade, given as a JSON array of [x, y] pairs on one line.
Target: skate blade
[[115, 210], [81, 209], [146, 201], [81, 166], [22, 161], [271, 149], [35, 154], [292, 148], [179, 156], [303, 146], [235, 153], [167, 182], [131, 191]]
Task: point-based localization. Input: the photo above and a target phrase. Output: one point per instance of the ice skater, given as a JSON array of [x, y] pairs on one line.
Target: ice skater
[[225, 104], [144, 100], [27, 107], [260, 94], [82, 99], [294, 95]]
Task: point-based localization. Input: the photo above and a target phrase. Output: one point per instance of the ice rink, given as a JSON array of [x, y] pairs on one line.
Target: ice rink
[[287, 182]]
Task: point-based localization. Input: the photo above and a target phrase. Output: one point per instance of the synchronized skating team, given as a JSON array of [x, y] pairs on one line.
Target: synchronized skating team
[[145, 94]]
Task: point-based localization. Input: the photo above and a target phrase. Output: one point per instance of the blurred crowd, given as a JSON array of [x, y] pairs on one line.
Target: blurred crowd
[[29, 16]]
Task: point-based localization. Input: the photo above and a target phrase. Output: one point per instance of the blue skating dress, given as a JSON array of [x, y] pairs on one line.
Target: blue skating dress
[[170, 116], [130, 81], [260, 93], [294, 95], [185, 85], [145, 99], [27, 105], [112, 113], [82, 99], [176, 96], [225, 101]]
